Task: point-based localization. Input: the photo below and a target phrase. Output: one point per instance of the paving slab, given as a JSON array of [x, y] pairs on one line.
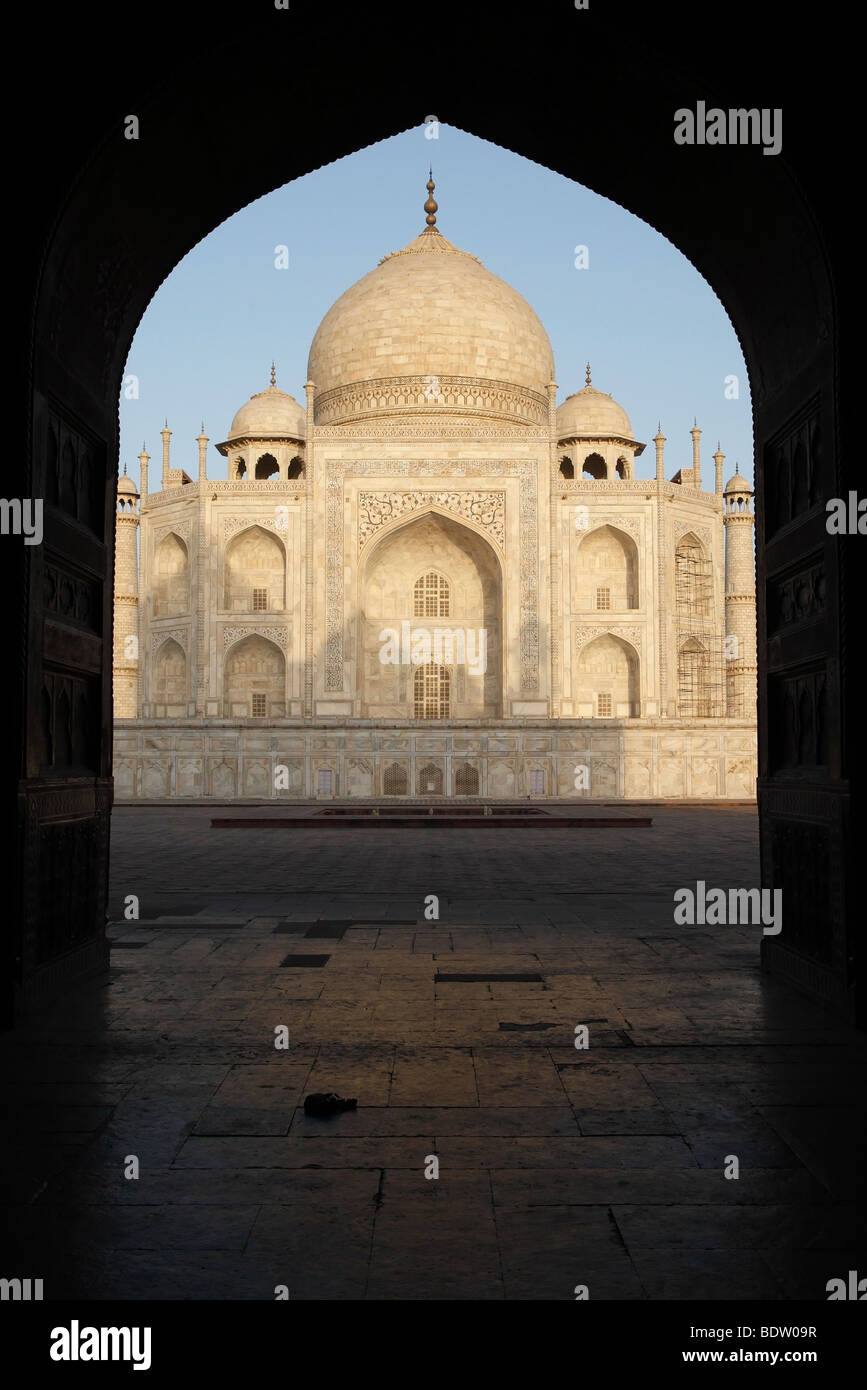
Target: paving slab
[[555, 1166]]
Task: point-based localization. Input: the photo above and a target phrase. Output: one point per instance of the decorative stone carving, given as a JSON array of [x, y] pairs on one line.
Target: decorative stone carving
[[111, 291], [273, 634], [454, 394], [796, 598], [239, 488], [583, 635], [622, 763], [524, 469], [180, 635], [180, 528], [436, 432], [622, 523], [67, 735], [74, 472], [590, 439], [334, 585], [702, 532], [800, 705], [486, 509], [233, 524], [793, 468], [71, 596]]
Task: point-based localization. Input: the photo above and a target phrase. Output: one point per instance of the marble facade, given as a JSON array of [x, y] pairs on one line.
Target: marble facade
[[430, 483]]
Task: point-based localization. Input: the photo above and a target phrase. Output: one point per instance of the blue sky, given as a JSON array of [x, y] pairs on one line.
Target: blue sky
[[657, 337]]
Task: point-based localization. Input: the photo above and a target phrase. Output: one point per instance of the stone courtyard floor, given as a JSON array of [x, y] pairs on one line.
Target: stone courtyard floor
[[558, 1167]]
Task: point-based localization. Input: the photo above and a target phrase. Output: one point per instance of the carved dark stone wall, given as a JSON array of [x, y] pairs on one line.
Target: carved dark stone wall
[[803, 788], [105, 220]]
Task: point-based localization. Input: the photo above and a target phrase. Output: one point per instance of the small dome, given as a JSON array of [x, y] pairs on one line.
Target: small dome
[[271, 414], [594, 414], [125, 484], [738, 484]]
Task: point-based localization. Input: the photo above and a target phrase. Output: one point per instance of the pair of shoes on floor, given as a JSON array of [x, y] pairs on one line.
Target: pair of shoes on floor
[[320, 1103]]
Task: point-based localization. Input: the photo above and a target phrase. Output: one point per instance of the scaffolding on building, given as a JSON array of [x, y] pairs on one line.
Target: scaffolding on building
[[702, 686], [702, 676], [693, 581]]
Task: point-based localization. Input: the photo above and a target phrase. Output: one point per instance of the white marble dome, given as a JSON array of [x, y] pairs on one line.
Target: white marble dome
[[592, 414], [270, 414], [434, 311], [737, 483]]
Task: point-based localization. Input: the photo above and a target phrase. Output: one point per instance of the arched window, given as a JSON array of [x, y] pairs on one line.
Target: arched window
[[567, 468], [432, 691], [594, 467], [394, 782], [170, 680], [254, 572], [694, 681], [170, 579], [296, 468], [693, 581], [254, 667], [622, 468], [608, 683], [605, 573], [266, 467], [431, 596], [467, 780], [430, 780], [240, 468]]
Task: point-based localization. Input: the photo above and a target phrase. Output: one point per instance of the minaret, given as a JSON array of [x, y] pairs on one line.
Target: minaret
[[662, 655], [740, 600], [696, 455], [166, 434], [313, 495], [659, 441], [126, 654], [719, 459], [202, 441], [143, 461]]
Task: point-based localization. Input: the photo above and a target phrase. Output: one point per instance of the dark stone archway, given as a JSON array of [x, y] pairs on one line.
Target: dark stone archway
[[102, 220]]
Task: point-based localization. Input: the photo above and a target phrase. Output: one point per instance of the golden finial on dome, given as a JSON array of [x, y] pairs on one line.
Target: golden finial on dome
[[587, 378], [430, 206], [273, 375]]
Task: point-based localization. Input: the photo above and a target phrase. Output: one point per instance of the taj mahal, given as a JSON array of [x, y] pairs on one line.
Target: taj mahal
[[428, 579]]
